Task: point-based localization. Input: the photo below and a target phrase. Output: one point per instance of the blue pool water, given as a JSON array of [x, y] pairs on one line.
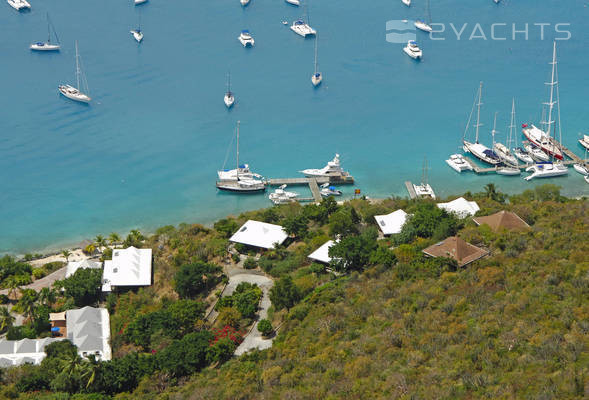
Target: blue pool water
[[145, 152]]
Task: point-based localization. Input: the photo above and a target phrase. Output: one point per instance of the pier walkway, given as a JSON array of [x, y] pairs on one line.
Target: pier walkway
[[313, 184], [411, 190]]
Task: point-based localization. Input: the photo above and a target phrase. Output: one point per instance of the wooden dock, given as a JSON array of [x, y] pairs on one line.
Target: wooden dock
[[411, 190], [313, 184]]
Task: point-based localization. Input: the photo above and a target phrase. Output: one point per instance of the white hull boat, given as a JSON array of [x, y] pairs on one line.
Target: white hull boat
[[423, 26], [246, 39], [137, 35], [587, 179], [317, 77], [523, 155], [294, 2], [536, 153], [542, 140], [504, 154], [458, 163], [546, 170], [406, 2], [47, 46], [508, 171], [281, 196], [413, 50], [229, 98], [19, 5], [138, 2], [333, 169], [424, 191], [482, 152], [327, 190], [74, 93], [303, 29], [585, 141], [242, 186], [582, 169], [244, 2]]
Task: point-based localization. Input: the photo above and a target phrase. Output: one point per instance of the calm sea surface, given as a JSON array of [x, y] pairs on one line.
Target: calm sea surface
[[145, 152]]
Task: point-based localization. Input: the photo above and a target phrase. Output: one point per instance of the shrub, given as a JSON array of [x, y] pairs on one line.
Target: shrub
[[38, 273], [4, 299], [265, 327], [84, 286], [250, 263], [192, 279]]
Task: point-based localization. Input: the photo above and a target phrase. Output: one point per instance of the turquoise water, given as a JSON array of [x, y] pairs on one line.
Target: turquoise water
[[145, 152]]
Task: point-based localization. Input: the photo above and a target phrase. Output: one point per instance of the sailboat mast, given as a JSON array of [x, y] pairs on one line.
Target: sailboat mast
[[551, 103], [237, 170], [428, 15], [315, 55], [77, 68], [478, 125], [512, 124], [229, 82], [494, 131], [48, 30]]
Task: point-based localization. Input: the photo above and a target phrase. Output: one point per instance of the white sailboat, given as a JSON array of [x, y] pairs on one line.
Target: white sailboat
[[424, 190], [503, 150], [518, 152], [229, 98], [552, 146], [407, 2], [585, 141], [582, 168], [138, 2], [425, 25], [317, 76], [137, 34], [294, 2], [47, 46], [477, 149], [543, 138], [240, 179], [74, 93], [503, 153]]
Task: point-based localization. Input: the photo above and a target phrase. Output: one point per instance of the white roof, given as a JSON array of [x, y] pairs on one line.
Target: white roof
[[73, 266], [322, 253], [17, 352], [461, 207], [128, 267], [89, 329], [391, 223], [259, 234]]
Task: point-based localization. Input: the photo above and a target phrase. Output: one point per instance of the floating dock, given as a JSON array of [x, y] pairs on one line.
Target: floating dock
[[411, 190], [313, 184]]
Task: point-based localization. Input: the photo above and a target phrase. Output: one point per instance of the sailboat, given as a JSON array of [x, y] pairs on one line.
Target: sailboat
[[518, 152], [407, 2], [137, 34], [477, 149], [582, 168], [229, 99], [502, 150], [547, 141], [585, 141], [74, 93], [424, 190], [47, 46], [425, 25], [317, 76], [240, 179]]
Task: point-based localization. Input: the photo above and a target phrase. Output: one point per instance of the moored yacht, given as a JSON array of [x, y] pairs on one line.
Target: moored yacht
[[74, 93], [333, 169], [424, 190], [229, 98], [413, 50], [246, 38], [19, 4], [541, 140], [328, 190], [422, 25], [585, 141], [281, 196], [522, 155], [535, 152], [137, 2], [581, 168], [303, 29], [509, 171], [317, 77], [407, 2], [47, 46], [546, 170], [294, 2], [458, 163], [244, 2], [137, 34]]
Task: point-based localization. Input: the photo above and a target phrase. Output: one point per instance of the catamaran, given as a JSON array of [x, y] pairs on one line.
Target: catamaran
[[317, 76], [240, 179], [477, 149], [229, 98], [19, 4], [246, 39], [331, 170], [424, 190], [458, 163], [47, 46], [301, 28], [551, 146], [74, 93], [425, 25]]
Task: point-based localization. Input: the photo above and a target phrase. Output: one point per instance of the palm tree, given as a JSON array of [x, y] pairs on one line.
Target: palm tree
[[88, 370], [100, 242], [27, 303], [66, 254], [114, 239], [13, 283], [47, 296], [490, 190], [6, 319]]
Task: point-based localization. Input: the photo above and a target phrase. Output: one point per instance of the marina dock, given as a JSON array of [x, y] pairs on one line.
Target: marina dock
[[411, 190], [313, 184]]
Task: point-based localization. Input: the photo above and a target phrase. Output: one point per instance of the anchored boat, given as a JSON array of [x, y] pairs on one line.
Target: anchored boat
[[47, 46], [74, 93]]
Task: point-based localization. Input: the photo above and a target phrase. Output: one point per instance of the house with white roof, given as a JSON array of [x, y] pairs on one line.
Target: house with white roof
[[322, 253], [130, 267], [461, 207], [73, 266], [391, 223], [89, 329], [17, 352], [259, 234]]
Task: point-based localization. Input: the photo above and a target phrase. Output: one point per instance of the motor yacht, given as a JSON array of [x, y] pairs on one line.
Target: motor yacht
[[328, 190], [281, 196], [546, 170], [303, 29], [332, 169], [458, 163], [246, 38], [413, 50], [19, 5]]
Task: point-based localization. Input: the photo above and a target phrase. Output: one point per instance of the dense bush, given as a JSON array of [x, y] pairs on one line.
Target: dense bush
[[265, 327], [9, 267], [84, 286], [193, 279]]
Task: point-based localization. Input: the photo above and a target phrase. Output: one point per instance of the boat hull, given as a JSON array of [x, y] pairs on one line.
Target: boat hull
[[584, 144], [547, 170], [508, 171], [79, 96], [546, 144], [229, 101], [478, 150], [238, 189], [581, 169], [413, 55], [45, 47], [316, 79]]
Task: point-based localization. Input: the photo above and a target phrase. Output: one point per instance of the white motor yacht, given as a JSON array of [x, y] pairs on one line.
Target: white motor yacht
[[585, 141], [546, 170], [413, 50], [137, 34], [332, 169], [407, 2], [301, 28], [294, 2], [19, 4], [536, 153], [328, 190], [246, 38], [137, 2], [458, 163], [281, 196], [74, 93]]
